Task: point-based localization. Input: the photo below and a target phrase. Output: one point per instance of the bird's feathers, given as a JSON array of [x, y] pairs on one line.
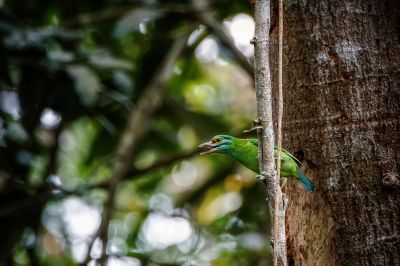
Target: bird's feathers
[[255, 142], [305, 181], [246, 152]]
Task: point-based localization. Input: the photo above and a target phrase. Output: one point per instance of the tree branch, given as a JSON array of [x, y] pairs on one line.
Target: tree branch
[[220, 31], [107, 14], [157, 165], [266, 135], [135, 130], [53, 153], [279, 231]]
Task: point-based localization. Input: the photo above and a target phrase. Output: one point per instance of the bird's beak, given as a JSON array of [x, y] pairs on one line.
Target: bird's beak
[[208, 147]]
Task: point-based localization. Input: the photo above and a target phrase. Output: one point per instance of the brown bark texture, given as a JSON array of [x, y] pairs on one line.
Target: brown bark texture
[[341, 78], [262, 78]]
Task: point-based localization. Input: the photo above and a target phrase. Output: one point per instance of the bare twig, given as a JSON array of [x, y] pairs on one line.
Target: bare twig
[[36, 202], [266, 137], [159, 164], [107, 14], [220, 31], [279, 220], [53, 152], [135, 130], [101, 15], [23, 205]]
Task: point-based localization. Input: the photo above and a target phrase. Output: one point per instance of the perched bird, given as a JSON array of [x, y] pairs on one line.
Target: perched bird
[[246, 152]]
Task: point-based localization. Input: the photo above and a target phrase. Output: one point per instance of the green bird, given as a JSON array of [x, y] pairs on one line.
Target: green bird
[[246, 152]]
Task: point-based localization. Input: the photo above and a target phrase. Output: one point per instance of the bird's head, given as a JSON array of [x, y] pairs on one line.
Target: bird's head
[[218, 144]]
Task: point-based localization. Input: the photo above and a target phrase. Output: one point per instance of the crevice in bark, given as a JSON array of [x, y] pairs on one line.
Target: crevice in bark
[[342, 106]]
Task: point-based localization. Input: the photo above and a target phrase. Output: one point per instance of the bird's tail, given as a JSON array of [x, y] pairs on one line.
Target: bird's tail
[[307, 183]]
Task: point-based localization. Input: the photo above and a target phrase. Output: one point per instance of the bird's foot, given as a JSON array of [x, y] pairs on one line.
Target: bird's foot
[[260, 177], [256, 125], [271, 243], [265, 175], [257, 121]]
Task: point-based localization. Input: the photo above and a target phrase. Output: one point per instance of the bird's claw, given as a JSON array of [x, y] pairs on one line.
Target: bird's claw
[[256, 125], [260, 177], [257, 121], [263, 176]]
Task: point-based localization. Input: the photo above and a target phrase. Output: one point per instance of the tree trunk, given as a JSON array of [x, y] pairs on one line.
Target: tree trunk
[[342, 104]]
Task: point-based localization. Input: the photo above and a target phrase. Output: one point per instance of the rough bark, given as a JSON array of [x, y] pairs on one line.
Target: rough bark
[[264, 121], [342, 106]]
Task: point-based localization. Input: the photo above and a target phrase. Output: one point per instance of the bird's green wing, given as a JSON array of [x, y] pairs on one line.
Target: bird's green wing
[[255, 143], [291, 156]]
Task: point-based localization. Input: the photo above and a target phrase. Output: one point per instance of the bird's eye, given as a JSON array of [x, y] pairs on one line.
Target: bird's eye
[[218, 140]]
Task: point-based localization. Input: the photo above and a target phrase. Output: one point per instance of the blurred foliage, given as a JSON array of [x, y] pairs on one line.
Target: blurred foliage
[[71, 73]]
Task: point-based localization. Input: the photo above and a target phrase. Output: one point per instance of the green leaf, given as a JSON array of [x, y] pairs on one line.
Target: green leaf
[[87, 83]]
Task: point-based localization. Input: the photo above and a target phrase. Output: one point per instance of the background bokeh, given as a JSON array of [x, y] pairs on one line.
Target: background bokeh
[[71, 73]]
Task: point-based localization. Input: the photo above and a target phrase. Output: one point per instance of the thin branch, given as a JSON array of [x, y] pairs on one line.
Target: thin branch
[[27, 204], [263, 94], [264, 110], [221, 32], [98, 16], [33, 259], [135, 130], [108, 14], [16, 208], [53, 153], [280, 90], [43, 194], [163, 162], [157, 165], [279, 220]]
